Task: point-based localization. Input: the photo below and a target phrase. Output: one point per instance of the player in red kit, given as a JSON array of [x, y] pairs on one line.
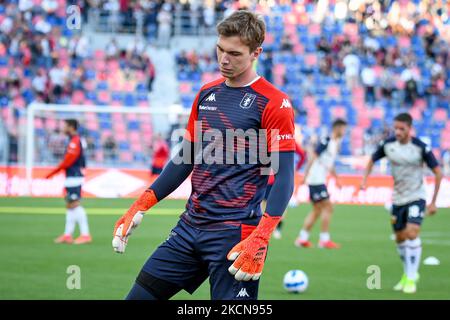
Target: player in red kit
[[72, 164], [161, 153]]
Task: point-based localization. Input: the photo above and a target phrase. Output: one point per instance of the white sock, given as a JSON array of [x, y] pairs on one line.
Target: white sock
[[82, 220], [324, 237], [70, 222], [303, 235], [413, 255], [401, 249]]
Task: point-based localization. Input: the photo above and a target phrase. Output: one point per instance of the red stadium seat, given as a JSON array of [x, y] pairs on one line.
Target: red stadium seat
[[99, 55], [92, 125], [135, 136], [136, 147], [78, 97], [299, 48], [415, 113], [309, 102], [314, 29], [104, 97], [99, 156], [4, 72], [126, 156], [38, 123], [339, 112], [440, 115], [404, 42], [269, 38], [132, 117], [377, 113], [185, 87], [445, 139], [120, 136], [333, 91], [19, 102], [311, 59]]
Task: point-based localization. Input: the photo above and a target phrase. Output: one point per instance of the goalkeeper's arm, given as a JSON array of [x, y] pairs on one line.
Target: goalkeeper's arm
[[249, 254], [170, 178]]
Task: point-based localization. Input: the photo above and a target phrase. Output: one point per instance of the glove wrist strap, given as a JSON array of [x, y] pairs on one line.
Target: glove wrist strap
[[146, 201], [266, 226]]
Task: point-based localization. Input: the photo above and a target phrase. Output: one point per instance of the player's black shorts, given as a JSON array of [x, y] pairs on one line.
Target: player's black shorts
[[412, 212], [190, 255], [73, 194], [318, 193], [268, 189]]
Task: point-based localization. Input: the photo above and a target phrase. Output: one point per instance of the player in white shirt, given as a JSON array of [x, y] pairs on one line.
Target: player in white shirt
[[321, 164], [407, 156]]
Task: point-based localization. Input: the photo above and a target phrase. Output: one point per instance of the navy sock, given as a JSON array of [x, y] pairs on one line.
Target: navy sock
[[138, 292]]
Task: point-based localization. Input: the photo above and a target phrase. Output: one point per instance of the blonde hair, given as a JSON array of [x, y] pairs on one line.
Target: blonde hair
[[249, 26]]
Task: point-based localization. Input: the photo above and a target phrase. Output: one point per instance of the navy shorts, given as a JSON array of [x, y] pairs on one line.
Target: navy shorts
[[190, 255], [73, 194], [412, 212], [318, 193]]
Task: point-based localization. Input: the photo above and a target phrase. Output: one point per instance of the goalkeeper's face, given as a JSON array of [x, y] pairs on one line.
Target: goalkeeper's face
[[235, 57]]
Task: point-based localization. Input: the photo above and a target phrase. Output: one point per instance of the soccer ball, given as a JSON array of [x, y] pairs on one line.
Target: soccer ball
[[295, 281]]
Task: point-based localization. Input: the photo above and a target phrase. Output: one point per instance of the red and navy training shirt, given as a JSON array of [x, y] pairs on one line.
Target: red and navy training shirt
[[229, 194]]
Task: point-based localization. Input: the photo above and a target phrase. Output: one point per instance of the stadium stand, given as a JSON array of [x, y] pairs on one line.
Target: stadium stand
[[350, 68], [365, 63]]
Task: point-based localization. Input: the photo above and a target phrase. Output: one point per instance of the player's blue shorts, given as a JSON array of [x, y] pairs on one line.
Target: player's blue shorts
[[318, 193], [412, 212], [73, 193], [189, 255], [268, 189]]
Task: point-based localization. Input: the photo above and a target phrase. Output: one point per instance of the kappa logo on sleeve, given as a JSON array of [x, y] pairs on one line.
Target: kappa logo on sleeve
[[285, 104]]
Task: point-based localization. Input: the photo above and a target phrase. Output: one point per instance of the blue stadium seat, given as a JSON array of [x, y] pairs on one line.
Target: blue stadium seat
[[129, 100], [105, 125], [116, 96], [133, 125], [138, 156], [103, 85], [3, 61], [4, 101], [124, 146]]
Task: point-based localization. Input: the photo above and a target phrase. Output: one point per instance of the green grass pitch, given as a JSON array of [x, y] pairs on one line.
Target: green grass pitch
[[33, 267]]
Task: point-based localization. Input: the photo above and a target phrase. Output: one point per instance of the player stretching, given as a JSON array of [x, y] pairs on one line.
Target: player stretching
[[407, 155], [223, 232], [72, 164], [317, 169]]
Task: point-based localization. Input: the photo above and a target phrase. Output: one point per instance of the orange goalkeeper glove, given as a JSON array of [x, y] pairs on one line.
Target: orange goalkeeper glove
[[131, 219], [249, 254]]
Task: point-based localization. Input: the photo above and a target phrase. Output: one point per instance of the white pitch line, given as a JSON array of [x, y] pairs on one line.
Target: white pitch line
[[90, 211]]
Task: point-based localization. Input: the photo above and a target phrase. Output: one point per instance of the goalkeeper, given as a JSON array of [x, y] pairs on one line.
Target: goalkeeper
[[222, 234]]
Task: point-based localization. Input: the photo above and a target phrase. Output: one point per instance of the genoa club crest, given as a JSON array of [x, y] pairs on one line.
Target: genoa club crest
[[247, 100]]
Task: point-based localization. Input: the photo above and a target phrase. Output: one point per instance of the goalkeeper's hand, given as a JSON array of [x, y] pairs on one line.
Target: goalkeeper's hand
[[249, 255], [131, 220]]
